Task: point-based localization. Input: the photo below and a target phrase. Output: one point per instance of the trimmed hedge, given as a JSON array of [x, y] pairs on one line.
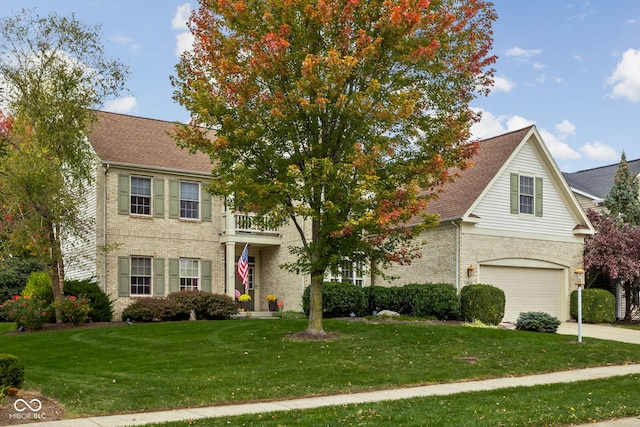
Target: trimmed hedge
[[339, 299], [537, 321], [11, 371], [429, 300], [482, 302], [178, 306], [598, 306]]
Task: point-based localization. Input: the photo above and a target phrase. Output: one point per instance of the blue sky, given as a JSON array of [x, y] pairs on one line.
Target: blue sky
[[572, 68]]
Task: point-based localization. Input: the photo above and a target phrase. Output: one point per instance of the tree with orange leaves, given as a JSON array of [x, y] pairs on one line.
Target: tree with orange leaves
[[345, 114]]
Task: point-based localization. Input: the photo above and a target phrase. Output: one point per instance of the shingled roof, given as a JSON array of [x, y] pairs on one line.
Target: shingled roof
[[137, 141], [597, 182], [458, 196]]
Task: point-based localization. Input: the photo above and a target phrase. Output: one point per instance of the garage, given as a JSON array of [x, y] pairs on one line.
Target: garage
[[526, 289]]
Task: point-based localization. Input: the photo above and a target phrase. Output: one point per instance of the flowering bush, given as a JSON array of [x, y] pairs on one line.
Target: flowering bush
[[29, 312], [74, 310], [244, 297], [272, 298]]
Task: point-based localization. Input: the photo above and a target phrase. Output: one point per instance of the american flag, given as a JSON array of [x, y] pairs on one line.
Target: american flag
[[243, 266]]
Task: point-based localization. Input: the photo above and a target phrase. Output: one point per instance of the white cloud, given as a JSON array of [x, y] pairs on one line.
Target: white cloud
[[502, 84], [126, 41], [491, 125], [184, 39], [626, 77], [125, 105], [539, 65], [559, 149], [565, 127], [601, 152], [179, 21], [522, 53]]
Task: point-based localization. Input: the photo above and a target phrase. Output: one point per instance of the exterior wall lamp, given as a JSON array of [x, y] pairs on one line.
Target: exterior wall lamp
[[470, 270]]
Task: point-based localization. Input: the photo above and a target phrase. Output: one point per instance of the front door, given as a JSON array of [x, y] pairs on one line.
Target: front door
[[250, 283]]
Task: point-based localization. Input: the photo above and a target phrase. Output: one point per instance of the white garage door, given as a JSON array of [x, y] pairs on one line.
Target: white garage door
[[526, 289]]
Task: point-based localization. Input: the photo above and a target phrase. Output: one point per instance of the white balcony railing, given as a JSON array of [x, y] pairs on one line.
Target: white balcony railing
[[243, 223]]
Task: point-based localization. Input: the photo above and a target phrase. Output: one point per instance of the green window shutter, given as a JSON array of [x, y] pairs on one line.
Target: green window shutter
[[538, 200], [206, 204], [206, 275], [158, 198], [124, 282], [158, 277], [174, 275], [174, 199], [123, 194], [515, 192]]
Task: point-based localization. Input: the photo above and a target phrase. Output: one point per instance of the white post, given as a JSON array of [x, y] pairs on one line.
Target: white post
[[579, 313]]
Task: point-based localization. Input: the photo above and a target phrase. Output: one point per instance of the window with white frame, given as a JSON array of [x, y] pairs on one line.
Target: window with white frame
[[189, 274], [350, 272], [140, 275], [189, 200], [527, 194], [140, 195]]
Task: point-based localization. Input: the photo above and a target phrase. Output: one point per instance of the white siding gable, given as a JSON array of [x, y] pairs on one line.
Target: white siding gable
[[494, 208]]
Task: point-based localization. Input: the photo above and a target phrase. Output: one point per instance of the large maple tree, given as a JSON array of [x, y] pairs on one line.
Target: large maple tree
[[343, 114]]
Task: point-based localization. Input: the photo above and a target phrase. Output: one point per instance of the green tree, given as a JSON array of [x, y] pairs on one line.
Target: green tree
[[345, 114], [623, 200], [56, 73]]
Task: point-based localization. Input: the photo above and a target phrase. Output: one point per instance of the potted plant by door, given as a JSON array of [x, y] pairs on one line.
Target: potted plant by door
[[243, 300], [272, 300]]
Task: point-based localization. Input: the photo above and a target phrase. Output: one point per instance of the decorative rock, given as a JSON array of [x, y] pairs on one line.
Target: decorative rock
[[387, 313]]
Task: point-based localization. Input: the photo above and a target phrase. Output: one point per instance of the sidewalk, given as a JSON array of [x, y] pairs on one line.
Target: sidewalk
[[591, 331]]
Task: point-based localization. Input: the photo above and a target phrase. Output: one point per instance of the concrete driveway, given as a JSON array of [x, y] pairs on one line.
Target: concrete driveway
[[603, 332]]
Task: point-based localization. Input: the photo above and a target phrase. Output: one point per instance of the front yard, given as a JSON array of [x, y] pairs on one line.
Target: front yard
[[146, 367]]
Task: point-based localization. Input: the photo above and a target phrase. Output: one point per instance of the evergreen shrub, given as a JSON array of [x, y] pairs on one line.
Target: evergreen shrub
[[11, 371], [536, 321], [482, 302], [598, 306], [101, 306]]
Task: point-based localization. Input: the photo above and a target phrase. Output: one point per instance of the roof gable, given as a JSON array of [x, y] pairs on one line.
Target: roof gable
[[458, 196], [141, 142]]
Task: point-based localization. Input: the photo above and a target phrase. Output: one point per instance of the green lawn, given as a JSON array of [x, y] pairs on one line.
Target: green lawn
[[167, 365]]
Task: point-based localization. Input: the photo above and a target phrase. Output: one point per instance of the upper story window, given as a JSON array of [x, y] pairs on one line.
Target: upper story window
[[189, 274], [140, 195], [189, 200], [140, 276], [526, 194]]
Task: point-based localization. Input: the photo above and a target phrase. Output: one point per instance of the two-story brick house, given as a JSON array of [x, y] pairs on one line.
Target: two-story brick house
[[158, 231]]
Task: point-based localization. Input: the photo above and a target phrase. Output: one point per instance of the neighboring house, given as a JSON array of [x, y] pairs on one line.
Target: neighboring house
[[510, 220], [591, 187]]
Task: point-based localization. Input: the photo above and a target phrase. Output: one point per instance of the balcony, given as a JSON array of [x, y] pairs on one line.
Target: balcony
[[239, 225]]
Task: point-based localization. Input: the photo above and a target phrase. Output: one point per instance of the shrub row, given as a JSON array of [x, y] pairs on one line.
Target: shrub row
[[83, 301], [429, 300], [179, 305]]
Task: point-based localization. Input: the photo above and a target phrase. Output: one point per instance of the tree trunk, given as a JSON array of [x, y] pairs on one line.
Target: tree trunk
[[315, 305], [56, 270], [628, 302]]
